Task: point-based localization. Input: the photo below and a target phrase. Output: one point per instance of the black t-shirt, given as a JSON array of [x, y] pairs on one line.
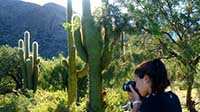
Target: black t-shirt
[[162, 102]]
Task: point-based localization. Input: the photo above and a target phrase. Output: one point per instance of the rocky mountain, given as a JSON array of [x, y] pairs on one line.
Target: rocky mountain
[[43, 22]]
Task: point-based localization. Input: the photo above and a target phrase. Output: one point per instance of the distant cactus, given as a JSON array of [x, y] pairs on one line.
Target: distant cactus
[[29, 62]]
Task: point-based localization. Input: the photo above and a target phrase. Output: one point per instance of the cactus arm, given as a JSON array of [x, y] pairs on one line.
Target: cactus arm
[[107, 53], [108, 46], [21, 44], [77, 38], [35, 65], [83, 72], [23, 67], [65, 63], [106, 58], [38, 61], [69, 10], [35, 52], [26, 44], [92, 36], [79, 46], [86, 8]]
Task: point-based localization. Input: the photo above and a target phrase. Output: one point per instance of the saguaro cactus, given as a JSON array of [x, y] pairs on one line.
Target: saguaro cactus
[[70, 63], [95, 49], [29, 62]]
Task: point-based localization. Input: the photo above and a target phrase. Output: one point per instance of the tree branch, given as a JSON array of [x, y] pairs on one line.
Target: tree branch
[[171, 22], [170, 37]]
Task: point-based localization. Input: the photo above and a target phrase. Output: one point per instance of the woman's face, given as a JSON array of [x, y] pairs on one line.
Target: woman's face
[[143, 85]]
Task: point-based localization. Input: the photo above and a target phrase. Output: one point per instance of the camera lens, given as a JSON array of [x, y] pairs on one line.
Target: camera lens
[[126, 85]]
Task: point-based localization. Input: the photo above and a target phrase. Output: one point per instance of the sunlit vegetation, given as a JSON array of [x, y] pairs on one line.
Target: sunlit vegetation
[[104, 49]]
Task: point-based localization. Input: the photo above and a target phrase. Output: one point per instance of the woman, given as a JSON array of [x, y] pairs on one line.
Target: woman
[[151, 82]]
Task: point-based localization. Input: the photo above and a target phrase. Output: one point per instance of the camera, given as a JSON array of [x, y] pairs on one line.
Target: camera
[[126, 86], [129, 105]]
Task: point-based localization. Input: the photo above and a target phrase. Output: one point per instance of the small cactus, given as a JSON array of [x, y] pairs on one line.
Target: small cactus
[[29, 62]]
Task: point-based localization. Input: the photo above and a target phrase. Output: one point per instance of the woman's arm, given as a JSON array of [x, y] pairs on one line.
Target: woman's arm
[[136, 102], [136, 106]]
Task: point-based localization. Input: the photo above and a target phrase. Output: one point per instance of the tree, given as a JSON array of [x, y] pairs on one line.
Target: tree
[[175, 24]]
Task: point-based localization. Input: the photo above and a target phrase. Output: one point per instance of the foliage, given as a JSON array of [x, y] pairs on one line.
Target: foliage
[[41, 101], [10, 72], [121, 69], [53, 74], [118, 72], [174, 25], [115, 98], [161, 30]]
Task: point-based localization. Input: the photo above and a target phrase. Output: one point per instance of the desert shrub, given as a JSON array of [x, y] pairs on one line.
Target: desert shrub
[[41, 101], [53, 74], [10, 71]]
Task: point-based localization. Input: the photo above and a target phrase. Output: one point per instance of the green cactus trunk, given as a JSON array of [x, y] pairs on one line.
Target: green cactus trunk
[[95, 86], [29, 72], [29, 63], [72, 78], [93, 46]]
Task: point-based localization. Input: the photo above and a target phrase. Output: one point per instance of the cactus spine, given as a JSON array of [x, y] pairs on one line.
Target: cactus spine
[[29, 62]]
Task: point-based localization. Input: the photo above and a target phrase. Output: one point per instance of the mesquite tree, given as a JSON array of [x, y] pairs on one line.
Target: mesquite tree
[[175, 26]]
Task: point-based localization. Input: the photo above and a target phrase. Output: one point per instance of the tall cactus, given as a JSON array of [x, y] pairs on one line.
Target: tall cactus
[[73, 74], [29, 62], [94, 48]]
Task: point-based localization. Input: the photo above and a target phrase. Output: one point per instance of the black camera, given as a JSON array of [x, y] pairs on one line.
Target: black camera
[[126, 86]]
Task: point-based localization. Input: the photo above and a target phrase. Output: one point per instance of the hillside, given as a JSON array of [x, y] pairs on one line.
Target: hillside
[[43, 22]]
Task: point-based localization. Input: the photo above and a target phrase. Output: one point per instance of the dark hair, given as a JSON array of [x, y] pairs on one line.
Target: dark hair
[[156, 71]]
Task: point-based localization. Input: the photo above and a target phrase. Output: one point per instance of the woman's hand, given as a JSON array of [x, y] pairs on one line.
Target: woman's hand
[[133, 95]]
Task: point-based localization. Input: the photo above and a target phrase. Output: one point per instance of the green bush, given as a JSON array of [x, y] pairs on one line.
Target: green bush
[[41, 101], [10, 71], [53, 74], [115, 98]]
